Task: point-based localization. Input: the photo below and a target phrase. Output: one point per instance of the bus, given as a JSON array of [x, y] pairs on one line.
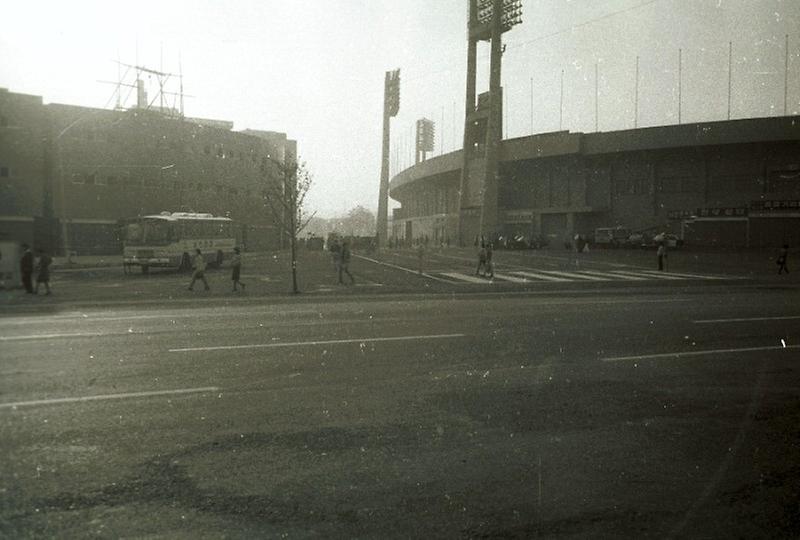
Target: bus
[[169, 240]]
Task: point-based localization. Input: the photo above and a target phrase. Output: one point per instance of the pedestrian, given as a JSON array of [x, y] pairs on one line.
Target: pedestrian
[[336, 253], [662, 256], [782, 256], [199, 265], [481, 260], [236, 268], [26, 268], [489, 271], [44, 272], [344, 263]]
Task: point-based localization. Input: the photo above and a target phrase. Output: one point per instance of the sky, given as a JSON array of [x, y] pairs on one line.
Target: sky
[[314, 69]]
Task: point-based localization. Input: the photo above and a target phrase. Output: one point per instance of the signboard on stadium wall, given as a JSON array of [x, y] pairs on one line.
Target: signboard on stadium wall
[[775, 206], [721, 212]]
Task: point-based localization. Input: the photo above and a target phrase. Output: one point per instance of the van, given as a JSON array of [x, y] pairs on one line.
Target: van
[[611, 236]]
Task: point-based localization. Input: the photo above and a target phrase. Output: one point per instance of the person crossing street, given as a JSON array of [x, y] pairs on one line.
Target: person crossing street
[[199, 265]]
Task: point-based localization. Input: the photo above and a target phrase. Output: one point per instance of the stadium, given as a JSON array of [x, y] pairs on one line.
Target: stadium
[[730, 183]]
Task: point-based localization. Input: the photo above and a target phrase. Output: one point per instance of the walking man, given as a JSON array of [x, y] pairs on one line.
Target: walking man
[[782, 256], [199, 265], [344, 262], [481, 260], [26, 268], [44, 272], [489, 271], [662, 255], [236, 268], [336, 255]]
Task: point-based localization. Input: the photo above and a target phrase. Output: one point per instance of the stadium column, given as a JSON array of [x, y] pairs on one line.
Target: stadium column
[[472, 69], [489, 210]]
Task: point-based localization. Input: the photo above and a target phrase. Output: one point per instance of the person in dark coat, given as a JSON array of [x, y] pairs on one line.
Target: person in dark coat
[[489, 266], [236, 268], [26, 268], [43, 276], [782, 257], [344, 263]]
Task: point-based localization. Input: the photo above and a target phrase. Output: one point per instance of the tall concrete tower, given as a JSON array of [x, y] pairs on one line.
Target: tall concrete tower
[[483, 129], [391, 106]]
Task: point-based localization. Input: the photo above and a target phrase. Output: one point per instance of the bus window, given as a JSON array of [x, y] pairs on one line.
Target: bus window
[[157, 232]]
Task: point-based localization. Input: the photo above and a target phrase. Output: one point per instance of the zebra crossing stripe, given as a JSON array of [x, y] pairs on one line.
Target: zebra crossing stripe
[[614, 276], [641, 275], [465, 277], [678, 274], [536, 275], [575, 275], [512, 279]]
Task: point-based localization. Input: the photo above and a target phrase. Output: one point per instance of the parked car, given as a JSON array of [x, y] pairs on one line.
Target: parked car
[[611, 236], [639, 240]]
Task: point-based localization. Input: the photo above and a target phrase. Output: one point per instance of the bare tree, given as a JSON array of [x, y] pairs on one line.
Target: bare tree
[[285, 196]]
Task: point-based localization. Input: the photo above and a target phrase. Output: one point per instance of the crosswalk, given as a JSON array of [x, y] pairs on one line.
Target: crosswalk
[[574, 276]]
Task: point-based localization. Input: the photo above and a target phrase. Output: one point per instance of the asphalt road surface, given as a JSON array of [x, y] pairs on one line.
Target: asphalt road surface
[[637, 410]]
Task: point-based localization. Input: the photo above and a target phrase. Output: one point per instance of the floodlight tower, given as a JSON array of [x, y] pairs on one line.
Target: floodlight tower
[[391, 106], [478, 203], [426, 135]]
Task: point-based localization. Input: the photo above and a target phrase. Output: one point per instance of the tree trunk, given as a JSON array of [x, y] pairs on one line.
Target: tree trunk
[[293, 243]]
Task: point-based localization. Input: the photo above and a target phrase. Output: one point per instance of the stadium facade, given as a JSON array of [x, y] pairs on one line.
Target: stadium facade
[[729, 183], [69, 174]]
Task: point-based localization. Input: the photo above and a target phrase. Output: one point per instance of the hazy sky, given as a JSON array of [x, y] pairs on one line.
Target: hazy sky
[[314, 68]]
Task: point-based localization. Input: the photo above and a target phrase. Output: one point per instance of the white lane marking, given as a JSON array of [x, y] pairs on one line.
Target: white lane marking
[[512, 279], [108, 396], [465, 277], [409, 270], [748, 319], [615, 276], [573, 275], [322, 342], [66, 335], [698, 353], [536, 275]]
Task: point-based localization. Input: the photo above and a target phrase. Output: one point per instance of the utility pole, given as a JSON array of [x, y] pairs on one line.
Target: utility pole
[[680, 82], [636, 97], [730, 75]]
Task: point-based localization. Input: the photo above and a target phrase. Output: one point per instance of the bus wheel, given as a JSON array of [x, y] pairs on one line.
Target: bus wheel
[[220, 258], [186, 263]]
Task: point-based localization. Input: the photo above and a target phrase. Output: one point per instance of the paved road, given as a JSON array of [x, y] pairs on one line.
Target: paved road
[[570, 412]]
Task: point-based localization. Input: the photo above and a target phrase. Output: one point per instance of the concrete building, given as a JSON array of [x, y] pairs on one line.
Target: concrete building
[[68, 174], [732, 183]]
